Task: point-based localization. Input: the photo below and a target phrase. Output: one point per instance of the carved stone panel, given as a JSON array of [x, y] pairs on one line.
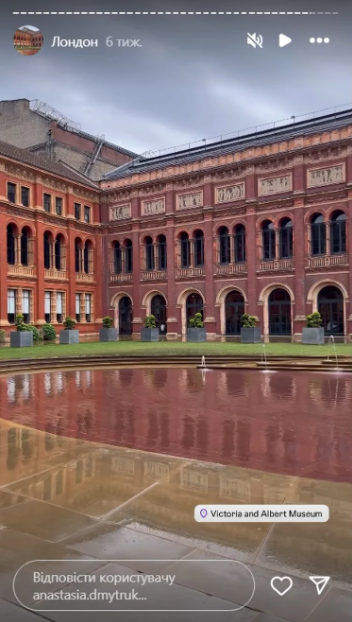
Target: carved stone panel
[[275, 185], [120, 212], [324, 176], [157, 206], [189, 200], [226, 194]]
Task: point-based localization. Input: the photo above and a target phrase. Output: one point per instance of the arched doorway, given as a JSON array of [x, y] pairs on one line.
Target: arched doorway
[[125, 316], [158, 309], [234, 309], [279, 312], [194, 304], [330, 307]]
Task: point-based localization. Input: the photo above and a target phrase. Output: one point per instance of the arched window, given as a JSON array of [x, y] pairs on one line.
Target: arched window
[[318, 235], [286, 239], [78, 255], [198, 248], [128, 255], [47, 250], [240, 244], [59, 252], [11, 252], [25, 246], [117, 257], [268, 234], [224, 245], [88, 257], [162, 254], [185, 250], [149, 254], [338, 232]]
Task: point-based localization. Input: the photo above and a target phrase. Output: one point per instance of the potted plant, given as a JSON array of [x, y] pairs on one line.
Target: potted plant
[[150, 332], [196, 331], [49, 332], [69, 334], [23, 336], [108, 332], [313, 333], [250, 332]]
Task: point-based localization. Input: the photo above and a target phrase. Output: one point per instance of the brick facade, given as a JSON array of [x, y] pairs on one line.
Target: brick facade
[[287, 180], [38, 247], [258, 224]]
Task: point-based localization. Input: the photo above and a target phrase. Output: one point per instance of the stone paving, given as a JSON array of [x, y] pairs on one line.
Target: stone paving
[[113, 510]]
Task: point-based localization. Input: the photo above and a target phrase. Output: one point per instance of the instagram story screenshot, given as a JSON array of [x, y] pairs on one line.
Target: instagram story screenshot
[[176, 311]]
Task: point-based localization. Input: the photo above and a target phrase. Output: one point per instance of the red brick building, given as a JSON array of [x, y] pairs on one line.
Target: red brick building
[[260, 223], [28, 41], [51, 242]]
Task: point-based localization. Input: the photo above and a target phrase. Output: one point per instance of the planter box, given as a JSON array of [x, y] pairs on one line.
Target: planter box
[[21, 339], [69, 336], [313, 336], [150, 334], [108, 334], [196, 334], [251, 335]]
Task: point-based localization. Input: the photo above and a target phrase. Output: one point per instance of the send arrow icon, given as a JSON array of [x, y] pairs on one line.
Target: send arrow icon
[[320, 583]]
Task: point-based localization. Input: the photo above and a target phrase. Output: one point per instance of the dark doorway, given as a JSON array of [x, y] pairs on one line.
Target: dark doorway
[[330, 307], [194, 304], [125, 316], [158, 308], [279, 313], [234, 309]]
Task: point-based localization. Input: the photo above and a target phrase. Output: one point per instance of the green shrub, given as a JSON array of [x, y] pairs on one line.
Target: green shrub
[[49, 332], [196, 321], [108, 322], [314, 320], [248, 321], [69, 323], [30, 328], [2, 335], [19, 322], [149, 321]]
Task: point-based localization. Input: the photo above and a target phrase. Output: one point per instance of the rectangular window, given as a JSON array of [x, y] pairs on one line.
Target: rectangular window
[[11, 306], [86, 213], [78, 211], [58, 206], [25, 196], [11, 192], [59, 306], [47, 203], [26, 298], [88, 307], [47, 307], [78, 307]]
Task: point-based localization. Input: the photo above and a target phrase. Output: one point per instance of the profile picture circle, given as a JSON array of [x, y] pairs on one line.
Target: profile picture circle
[[28, 40]]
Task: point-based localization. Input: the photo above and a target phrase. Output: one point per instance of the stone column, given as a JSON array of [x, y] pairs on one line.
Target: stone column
[[328, 239], [18, 250], [300, 247], [173, 320], [209, 253], [277, 243], [137, 312], [39, 261]]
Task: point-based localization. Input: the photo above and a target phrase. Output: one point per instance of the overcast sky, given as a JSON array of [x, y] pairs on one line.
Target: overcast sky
[[195, 76]]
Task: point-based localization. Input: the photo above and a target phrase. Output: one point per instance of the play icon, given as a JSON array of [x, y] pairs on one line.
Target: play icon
[[284, 40], [320, 583]]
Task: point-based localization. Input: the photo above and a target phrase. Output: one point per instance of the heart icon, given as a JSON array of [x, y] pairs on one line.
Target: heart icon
[[281, 585]]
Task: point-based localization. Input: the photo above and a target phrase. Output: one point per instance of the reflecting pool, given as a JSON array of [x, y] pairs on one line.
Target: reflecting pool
[[106, 465]]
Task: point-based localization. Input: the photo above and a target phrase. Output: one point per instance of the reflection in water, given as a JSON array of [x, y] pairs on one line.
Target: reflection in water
[[286, 422]]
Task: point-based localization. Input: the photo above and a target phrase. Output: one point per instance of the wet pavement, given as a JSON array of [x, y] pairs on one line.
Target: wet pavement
[[106, 467]]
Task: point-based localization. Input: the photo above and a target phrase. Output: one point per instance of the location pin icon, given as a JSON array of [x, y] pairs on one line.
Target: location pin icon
[[203, 513]]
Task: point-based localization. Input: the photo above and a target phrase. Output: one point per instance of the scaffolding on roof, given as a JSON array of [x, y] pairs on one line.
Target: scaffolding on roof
[[48, 111]]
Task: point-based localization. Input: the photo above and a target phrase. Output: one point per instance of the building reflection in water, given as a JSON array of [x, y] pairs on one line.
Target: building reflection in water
[[286, 422]]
